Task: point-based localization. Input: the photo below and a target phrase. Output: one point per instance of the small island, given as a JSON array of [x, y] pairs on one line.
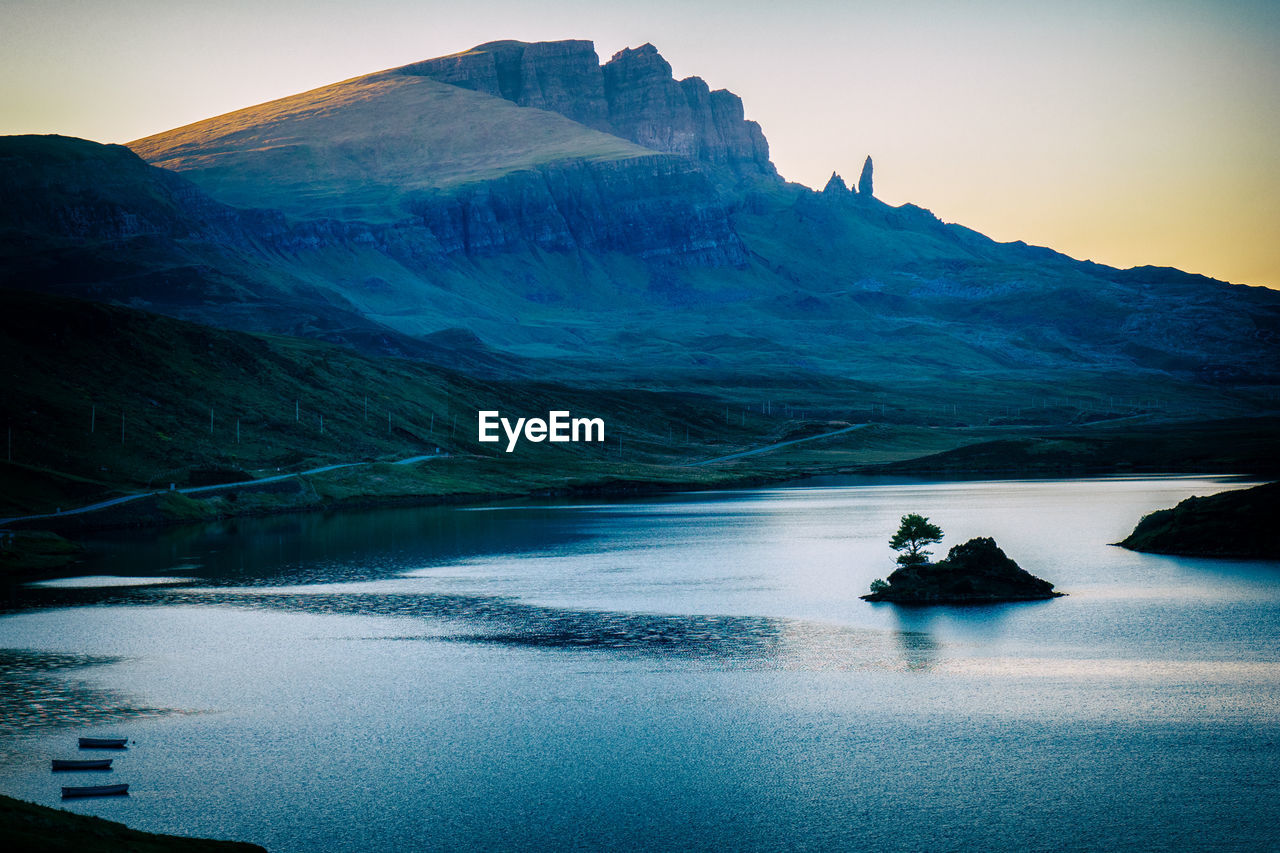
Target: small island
[[974, 572], [1239, 523]]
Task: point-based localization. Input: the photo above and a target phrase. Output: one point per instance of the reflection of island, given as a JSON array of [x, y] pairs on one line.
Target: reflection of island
[[916, 641], [1231, 524], [919, 650], [974, 572]]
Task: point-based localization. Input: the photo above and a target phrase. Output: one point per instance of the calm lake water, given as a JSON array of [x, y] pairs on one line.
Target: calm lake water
[[691, 672]]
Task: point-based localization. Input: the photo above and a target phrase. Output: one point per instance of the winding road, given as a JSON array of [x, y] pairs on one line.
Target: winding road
[[195, 489], [769, 447], [191, 490]]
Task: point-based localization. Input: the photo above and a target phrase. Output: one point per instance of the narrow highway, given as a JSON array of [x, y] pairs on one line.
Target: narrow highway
[[769, 447], [194, 489]]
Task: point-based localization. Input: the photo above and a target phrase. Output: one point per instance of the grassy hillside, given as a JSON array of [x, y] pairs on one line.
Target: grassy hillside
[[101, 400], [358, 149]]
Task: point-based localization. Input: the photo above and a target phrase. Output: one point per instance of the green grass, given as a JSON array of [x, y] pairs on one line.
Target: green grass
[[29, 552], [76, 370]]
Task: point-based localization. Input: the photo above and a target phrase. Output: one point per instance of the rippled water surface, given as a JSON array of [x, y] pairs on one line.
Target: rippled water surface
[[688, 672]]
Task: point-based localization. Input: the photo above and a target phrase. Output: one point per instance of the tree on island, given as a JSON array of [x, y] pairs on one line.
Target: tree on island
[[913, 534]]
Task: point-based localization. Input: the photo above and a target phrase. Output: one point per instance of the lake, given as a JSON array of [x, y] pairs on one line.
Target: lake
[[686, 672]]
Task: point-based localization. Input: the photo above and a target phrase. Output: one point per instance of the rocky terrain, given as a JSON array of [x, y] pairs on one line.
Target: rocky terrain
[[975, 572], [634, 95]]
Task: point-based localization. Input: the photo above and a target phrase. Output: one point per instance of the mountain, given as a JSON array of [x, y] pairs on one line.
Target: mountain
[[525, 209]]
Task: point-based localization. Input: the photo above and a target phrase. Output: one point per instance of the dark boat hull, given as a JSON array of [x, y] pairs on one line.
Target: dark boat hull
[[95, 791], [102, 742], [87, 764]]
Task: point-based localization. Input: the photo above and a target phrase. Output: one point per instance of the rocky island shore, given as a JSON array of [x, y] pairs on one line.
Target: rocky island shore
[[1231, 524], [975, 572]]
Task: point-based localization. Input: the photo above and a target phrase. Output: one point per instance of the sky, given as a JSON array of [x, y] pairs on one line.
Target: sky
[[1126, 132]]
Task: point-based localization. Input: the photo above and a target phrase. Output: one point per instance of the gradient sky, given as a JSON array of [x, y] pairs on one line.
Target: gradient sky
[[1126, 132]]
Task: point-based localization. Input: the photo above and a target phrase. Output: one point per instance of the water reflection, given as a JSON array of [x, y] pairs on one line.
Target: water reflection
[[734, 642], [917, 644], [500, 620], [331, 547], [919, 650], [37, 692]]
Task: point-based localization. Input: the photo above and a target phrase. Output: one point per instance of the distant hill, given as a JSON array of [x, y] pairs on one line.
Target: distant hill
[[524, 209]]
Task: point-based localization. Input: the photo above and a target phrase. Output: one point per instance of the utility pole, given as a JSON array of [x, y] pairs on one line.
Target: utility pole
[[295, 409], [366, 407], [237, 430], [322, 424], [211, 421], [388, 422], [93, 418]]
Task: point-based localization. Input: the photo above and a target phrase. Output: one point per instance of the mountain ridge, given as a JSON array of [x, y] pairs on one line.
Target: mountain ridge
[[604, 259], [634, 96]]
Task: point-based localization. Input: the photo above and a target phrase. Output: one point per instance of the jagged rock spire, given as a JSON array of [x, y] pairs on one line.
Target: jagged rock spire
[[835, 185], [864, 182]]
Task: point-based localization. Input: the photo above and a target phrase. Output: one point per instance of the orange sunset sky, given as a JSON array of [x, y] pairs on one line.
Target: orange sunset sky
[[1125, 132]]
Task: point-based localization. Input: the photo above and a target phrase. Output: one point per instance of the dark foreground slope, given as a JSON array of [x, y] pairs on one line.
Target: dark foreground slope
[[95, 221], [36, 829], [1230, 524]]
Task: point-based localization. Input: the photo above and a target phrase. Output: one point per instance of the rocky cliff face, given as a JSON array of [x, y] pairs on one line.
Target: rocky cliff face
[[655, 208], [634, 96], [650, 107], [561, 76], [866, 185], [835, 186]]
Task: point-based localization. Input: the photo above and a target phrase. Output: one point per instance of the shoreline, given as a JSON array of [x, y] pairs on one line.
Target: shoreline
[[31, 826], [140, 510]]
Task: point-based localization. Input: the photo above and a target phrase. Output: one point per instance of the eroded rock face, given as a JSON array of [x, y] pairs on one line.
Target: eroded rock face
[[865, 187], [835, 186], [658, 207], [561, 76], [651, 108], [634, 96]]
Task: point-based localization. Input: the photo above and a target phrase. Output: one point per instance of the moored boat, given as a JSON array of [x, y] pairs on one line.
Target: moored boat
[[95, 791], [83, 764], [102, 742]]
